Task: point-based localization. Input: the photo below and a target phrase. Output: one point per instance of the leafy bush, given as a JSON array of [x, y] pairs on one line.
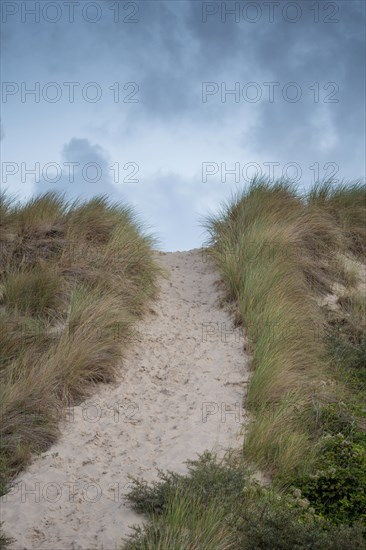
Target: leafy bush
[[337, 490], [281, 522], [217, 505], [343, 418], [206, 478]]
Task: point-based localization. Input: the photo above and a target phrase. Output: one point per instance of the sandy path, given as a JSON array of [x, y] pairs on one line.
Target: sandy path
[[182, 378]]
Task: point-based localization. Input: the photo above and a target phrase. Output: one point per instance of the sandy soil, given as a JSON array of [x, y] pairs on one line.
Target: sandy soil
[[180, 392]]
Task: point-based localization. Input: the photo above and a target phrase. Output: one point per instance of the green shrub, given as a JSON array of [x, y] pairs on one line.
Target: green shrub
[[337, 490], [342, 418], [206, 478], [217, 505], [278, 523]]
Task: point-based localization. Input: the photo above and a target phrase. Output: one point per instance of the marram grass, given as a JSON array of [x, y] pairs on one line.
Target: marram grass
[[74, 277], [278, 252]]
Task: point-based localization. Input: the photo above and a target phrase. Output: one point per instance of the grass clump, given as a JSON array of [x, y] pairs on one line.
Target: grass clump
[[346, 203], [74, 277], [37, 292], [186, 524]]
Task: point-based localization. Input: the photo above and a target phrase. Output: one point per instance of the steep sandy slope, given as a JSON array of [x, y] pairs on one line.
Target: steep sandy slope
[[180, 392]]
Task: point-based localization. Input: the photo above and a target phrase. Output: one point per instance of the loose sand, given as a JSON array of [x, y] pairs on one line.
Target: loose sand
[[180, 392]]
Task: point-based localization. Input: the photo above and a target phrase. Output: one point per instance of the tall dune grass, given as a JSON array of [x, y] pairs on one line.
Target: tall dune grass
[[277, 253], [346, 203], [74, 277]]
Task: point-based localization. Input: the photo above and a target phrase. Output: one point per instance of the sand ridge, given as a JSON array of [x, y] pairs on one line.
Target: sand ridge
[[180, 392]]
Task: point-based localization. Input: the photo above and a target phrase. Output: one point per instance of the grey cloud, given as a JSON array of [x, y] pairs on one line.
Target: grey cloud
[[89, 173]]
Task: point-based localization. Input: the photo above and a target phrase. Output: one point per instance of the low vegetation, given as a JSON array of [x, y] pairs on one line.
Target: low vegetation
[[74, 279], [218, 505]]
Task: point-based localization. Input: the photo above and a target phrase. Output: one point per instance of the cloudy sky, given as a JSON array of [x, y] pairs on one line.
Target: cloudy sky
[[172, 105]]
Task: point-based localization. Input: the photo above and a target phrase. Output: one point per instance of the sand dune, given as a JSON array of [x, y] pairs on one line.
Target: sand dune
[[180, 392]]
